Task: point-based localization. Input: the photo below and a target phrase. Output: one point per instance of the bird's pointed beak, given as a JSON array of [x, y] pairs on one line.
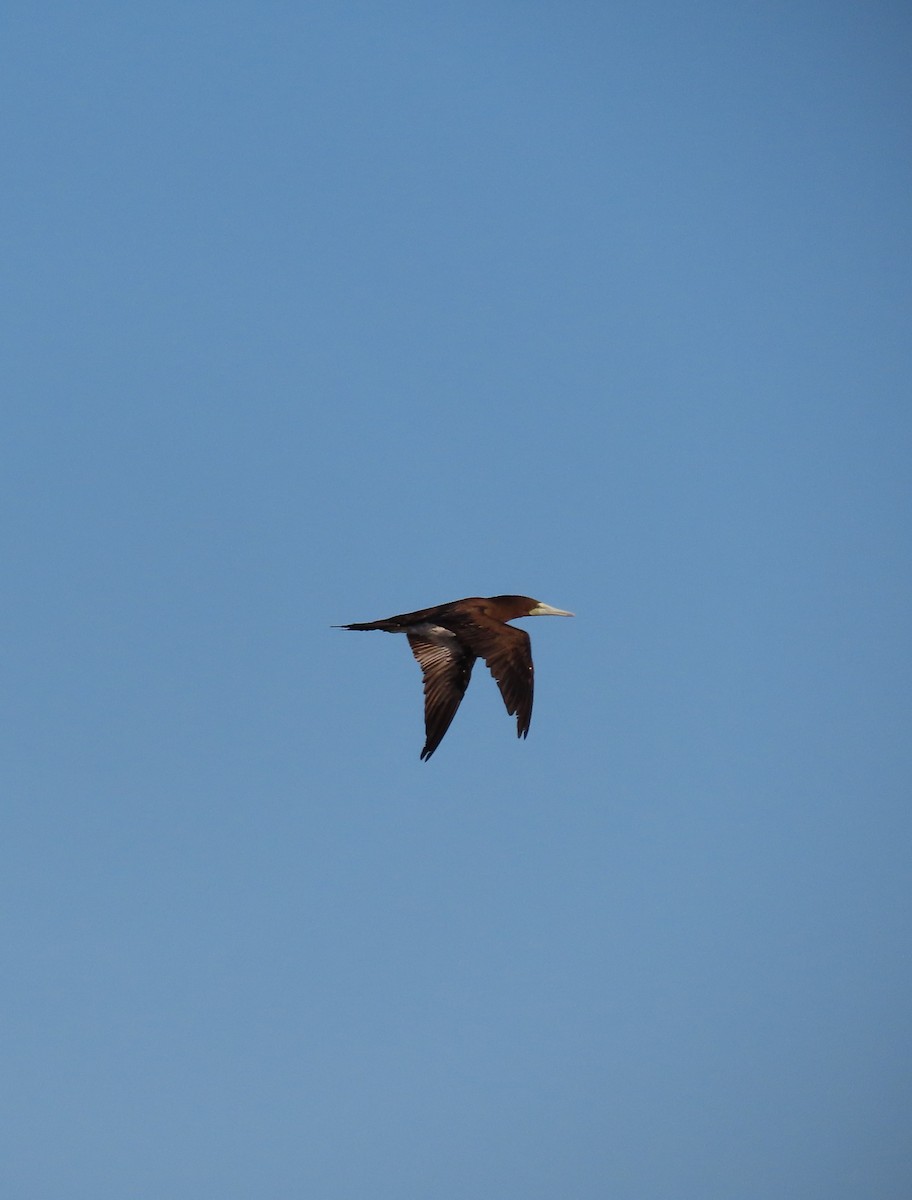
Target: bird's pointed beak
[[545, 610]]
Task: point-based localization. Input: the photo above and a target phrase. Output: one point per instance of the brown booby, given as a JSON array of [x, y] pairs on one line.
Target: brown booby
[[447, 639]]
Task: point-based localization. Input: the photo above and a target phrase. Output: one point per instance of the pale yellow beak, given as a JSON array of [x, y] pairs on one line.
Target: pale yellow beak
[[545, 610]]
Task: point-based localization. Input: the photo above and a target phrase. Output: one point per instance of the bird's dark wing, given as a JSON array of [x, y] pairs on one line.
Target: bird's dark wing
[[447, 667], [507, 652]]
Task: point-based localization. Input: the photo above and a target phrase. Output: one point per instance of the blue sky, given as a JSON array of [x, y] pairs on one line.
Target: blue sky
[[318, 313]]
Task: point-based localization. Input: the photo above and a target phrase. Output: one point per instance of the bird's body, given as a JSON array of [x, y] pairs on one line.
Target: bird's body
[[448, 638]]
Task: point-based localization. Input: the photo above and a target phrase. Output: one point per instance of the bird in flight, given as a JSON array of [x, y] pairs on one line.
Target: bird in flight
[[448, 638]]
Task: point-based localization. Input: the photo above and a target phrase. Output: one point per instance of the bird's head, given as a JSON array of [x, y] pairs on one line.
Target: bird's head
[[508, 608]]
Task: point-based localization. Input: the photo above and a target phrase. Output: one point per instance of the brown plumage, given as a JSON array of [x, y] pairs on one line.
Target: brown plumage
[[447, 639]]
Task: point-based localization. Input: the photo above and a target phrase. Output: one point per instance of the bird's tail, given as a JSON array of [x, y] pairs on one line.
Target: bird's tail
[[388, 626]]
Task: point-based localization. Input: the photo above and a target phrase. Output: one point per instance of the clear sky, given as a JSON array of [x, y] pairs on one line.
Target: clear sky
[[317, 312]]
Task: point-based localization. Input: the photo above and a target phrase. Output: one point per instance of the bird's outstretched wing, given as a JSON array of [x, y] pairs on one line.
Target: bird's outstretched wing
[[507, 652], [447, 668]]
